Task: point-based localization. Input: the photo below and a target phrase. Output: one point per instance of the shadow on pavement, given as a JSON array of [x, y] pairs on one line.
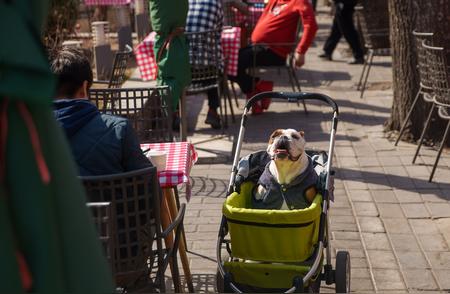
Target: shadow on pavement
[[394, 181]]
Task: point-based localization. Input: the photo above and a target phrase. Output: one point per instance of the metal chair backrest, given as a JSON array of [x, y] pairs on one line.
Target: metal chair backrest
[[374, 25], [205, 55], [104, 223], [135, 203], [439, 74], [422, 59], [148, 109], [119, 68]]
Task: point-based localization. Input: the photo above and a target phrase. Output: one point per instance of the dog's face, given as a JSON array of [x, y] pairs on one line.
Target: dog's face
[[286, 144]]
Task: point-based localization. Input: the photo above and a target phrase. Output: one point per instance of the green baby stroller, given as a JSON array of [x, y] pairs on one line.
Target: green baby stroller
[[279, 250]]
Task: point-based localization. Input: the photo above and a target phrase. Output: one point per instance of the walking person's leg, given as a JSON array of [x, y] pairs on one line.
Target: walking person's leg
[[213, 118], [345, 22], [332, 40]]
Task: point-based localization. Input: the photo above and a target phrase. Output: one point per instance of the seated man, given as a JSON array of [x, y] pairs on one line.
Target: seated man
[[277, 24], [101, 143]]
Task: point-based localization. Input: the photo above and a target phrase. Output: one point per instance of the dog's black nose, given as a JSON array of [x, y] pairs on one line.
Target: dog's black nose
[[283, 143]]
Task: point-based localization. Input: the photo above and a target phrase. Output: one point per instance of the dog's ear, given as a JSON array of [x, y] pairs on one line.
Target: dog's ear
[[302, 133], [275, 134]]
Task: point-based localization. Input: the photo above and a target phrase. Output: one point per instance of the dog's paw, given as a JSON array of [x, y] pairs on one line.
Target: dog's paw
[[259, 192]]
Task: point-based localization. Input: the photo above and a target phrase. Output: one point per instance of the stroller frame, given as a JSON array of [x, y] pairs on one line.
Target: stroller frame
[[329, 275]]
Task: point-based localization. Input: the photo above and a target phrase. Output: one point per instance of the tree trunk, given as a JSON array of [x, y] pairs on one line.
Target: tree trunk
[[405, 16], [405, 76]]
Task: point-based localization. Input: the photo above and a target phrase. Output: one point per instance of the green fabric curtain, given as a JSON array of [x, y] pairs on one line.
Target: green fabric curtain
[[42, 217], [173, 66]]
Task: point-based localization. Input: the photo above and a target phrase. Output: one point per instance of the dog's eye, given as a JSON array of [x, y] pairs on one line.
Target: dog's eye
[[295, 136]]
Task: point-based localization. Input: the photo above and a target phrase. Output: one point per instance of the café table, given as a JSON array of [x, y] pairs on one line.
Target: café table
[[181, 156], [145, 57]]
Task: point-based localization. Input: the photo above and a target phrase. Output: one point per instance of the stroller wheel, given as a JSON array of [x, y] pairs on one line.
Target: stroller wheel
[[342, 274], [220, 284]]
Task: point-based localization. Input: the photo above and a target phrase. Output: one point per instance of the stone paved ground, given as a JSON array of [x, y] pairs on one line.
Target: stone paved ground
[[394, 223]]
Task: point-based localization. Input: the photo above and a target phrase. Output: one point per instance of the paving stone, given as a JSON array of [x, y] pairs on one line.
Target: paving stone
[[443, 278], [368, 161], [356, 185], [424, 226], [361, 285], [395, 170], [377, 241], [444, 227], [384, 196], [365, 209], [371, 224], [382, 259], [359, 262], [415, 210], [433, 195], [360, 273], [407, 196], [360, 195], [341, 211], [342, 219], [439, 210], [401, 182], [390, 210], [404, 242], [412, 259], [348, 244], [396, 226], [372, 172], [433, 242], [439, 260], [208, 228], [388, 279], [391, 161], [347, 227], [346, 236], [420, 279]]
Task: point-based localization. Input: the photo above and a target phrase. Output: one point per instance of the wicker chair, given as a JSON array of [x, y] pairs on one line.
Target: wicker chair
[[207, 67], [119, 68], [441, 100], [139, 260], [425, 85], [375, 32], [148, 109]]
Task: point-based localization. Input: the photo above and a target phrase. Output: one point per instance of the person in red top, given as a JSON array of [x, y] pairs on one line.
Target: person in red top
[[277, 24]]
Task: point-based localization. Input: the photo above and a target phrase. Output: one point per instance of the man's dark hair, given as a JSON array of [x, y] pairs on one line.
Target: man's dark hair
[[72, 68]]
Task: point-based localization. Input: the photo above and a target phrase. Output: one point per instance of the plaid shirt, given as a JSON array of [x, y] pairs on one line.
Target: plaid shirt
[[205, 15]]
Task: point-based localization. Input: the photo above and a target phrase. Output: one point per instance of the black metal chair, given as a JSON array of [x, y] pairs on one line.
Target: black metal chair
[[207, 67], [375, 32], [119, 69], [139, 259], [148, 109], [439, 73], [289, 66], [425, 85], [104, 223]]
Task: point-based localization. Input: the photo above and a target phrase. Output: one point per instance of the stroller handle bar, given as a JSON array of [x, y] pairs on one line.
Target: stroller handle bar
[[293, 97]]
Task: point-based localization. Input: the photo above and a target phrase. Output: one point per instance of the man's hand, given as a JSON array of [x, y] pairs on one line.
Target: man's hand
[[299, 59]]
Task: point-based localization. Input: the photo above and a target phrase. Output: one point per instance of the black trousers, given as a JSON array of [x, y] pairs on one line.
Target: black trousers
[[254, 55], [343, 26]]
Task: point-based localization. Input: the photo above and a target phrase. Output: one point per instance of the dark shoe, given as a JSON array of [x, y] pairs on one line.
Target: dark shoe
[[213, 119], [356, 61], [325, 56]]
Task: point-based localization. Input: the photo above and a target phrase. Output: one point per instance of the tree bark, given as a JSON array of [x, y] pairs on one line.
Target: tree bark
[[404, 72], [405, 16]]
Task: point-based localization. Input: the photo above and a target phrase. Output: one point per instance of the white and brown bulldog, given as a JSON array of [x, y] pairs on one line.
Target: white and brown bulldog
[[289, 179]]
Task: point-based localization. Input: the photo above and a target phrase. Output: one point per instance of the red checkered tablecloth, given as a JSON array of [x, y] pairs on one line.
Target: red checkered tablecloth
[[181, 156], [107, 2], [145, 57], [253, 16], [231, 42]]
